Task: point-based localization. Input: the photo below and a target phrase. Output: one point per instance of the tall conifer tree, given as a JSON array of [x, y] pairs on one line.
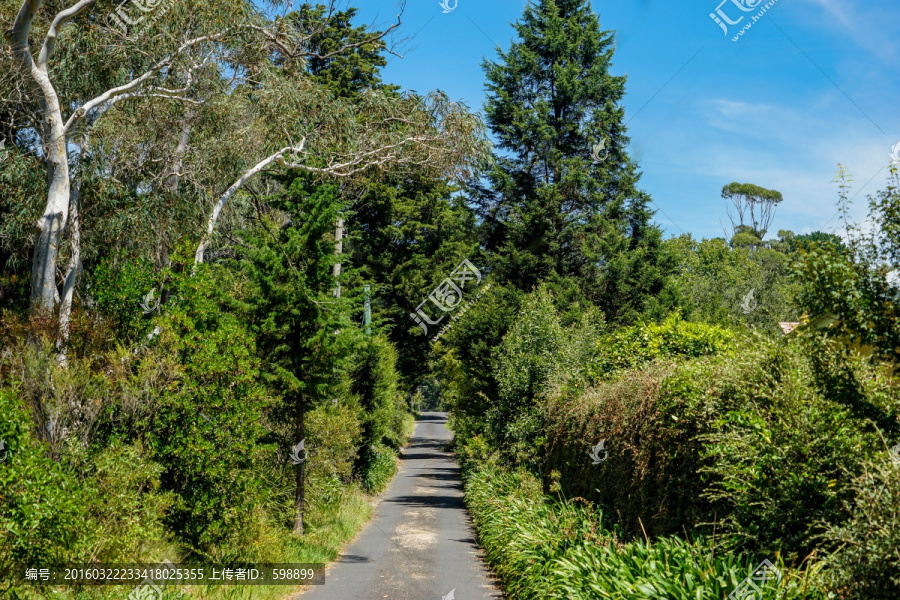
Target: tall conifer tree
[[564, 202]]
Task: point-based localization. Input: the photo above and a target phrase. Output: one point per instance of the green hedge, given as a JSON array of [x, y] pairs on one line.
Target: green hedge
[[760, 444]]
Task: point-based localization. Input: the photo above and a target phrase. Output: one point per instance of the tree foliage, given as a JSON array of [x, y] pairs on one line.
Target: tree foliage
[[759, 202], [564, 200]]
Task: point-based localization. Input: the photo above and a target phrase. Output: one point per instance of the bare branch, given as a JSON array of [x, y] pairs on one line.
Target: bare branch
[[247, 176], [136, 84]]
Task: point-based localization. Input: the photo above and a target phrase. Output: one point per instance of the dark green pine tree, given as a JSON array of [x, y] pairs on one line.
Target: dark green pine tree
[[349, 72], [563, 204], [305, 335]]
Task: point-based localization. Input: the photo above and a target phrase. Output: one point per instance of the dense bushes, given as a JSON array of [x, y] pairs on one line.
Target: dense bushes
[[206, 431], [375, 380], [85, 504], [539, 358], [783, 453], [40, 511], [632, 346], [763, 446], [867, 563], [168, 445], [747, 441]]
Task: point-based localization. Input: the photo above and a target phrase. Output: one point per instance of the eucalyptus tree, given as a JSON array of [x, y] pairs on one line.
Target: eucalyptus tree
[[60, 116], [163, 60], [336, 139]]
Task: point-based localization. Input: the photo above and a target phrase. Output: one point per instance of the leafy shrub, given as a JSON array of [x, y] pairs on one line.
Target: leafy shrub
[[537, 354], [382, 410], [41, 504], [632, 346], [711, 279], [630, 483], [333, 435], [749, 442], [206, 431], [783, 451], [124, 503], [64, 403], [866, 564], [375, 380], [118, 286], [468, 358], [380, 465]]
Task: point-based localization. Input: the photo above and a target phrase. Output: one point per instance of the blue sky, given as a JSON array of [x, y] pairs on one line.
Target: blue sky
[[811, 84]]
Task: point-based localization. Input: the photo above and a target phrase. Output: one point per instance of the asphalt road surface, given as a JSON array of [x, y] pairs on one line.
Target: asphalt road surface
[[420, 543]]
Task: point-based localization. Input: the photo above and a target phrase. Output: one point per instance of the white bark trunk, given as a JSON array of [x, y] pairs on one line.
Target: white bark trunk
[[65, 307], [56, 212], [53, 138]]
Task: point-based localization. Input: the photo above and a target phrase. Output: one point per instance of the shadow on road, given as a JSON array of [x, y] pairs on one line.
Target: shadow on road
[[433, 418], [454, 502], [353, 558]]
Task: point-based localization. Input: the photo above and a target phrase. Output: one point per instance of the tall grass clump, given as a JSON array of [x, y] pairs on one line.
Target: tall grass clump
[[543, 547]]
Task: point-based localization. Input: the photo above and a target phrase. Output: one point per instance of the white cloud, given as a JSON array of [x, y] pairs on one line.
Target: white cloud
[[856, 21]]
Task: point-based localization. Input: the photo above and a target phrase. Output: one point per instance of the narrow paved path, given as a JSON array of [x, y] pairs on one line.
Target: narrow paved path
[[420, 543]]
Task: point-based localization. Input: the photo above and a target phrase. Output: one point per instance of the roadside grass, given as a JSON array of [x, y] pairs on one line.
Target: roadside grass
[[329, 527], [543, 547]]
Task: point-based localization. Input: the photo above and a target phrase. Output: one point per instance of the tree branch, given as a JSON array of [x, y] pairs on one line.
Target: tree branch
[[247, 176], [134, 86], [300, 51], [56, 26]]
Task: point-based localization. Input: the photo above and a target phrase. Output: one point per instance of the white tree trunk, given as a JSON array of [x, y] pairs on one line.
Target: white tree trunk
[[54, 131], [65, 307], [56, 212], [53, 138]]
